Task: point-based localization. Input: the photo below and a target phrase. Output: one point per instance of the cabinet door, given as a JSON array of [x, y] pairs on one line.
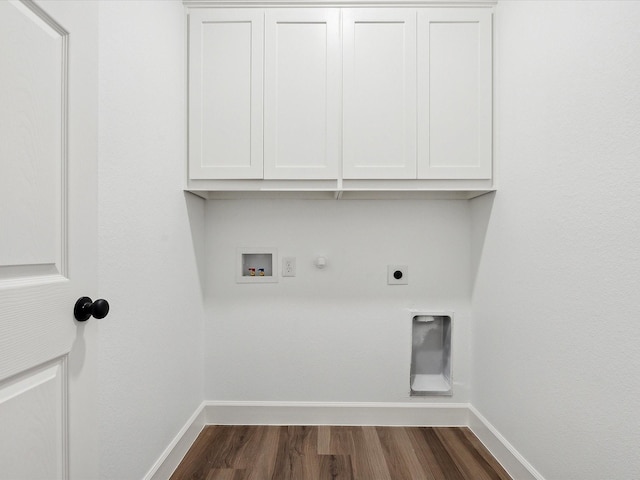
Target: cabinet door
[[379, 93], [454, 93], [302, 94], [225, 93]]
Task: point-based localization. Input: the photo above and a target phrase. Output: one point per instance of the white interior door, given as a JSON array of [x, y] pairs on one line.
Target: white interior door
[[48, 238]]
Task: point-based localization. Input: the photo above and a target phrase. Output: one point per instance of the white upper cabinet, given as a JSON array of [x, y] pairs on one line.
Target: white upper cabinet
[[225, 93], [340, 101], [454, 93], [302, 94], [379, 93]]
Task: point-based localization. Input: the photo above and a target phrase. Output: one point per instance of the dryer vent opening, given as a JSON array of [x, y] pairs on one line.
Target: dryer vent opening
[[431, 355]]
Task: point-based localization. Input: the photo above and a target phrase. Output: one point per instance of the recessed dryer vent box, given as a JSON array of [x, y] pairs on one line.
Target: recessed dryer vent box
[[430, 354], [257, 265]]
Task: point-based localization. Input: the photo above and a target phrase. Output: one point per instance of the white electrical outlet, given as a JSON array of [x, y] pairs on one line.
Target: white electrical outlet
[[397, 275], [289, 266]]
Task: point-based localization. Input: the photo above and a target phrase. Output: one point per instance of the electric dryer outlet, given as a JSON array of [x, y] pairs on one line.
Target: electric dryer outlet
[[397, 275]]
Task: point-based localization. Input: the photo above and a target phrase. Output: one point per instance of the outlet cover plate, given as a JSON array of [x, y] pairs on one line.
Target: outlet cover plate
[[391, 275], [289, 267]]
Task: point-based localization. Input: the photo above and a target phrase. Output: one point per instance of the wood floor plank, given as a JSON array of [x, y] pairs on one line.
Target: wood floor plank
[[281, 468], [199, 459], [335, 467], [264, 463], [297, 454], [442, 466], [400, 456], [468, 460], [221, 457], [225, 474], [231, 453], [486, 455], [244, 445], [423, 453], [324, 439], [304, 441], [337, 453], [368, 457], [341, 441]]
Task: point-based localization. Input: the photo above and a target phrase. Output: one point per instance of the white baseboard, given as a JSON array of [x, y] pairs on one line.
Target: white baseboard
[[338, 413], [514, 463], [177, 449]]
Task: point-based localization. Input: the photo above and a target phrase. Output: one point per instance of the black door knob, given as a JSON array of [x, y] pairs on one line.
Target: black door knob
[[85, 308]]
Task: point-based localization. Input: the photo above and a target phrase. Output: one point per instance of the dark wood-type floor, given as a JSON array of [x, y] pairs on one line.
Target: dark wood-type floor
[[315, 453]]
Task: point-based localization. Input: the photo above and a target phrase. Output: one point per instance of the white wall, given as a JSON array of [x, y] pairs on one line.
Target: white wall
[[338, 334], [151, 351], [556, 308]]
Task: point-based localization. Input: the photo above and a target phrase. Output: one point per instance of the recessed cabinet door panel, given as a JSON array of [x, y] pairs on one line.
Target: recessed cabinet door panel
[[302, 94], [33, 435], [379, 93], [225, 94], [32, 158], [454, 94]]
